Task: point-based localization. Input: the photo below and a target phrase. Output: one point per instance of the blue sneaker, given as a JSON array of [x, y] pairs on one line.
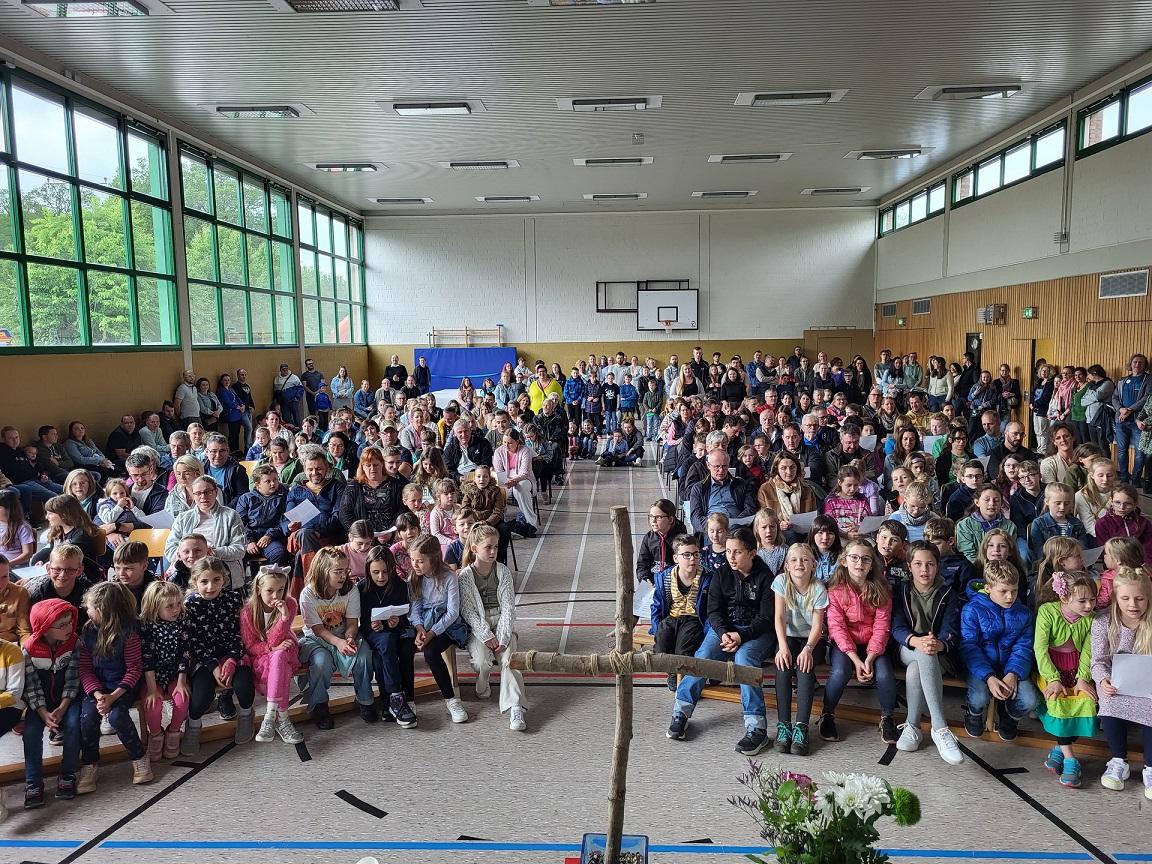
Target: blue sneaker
[[1054, 761], [1070, 775]]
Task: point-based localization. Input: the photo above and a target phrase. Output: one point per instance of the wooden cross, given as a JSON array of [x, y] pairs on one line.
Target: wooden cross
[[625, 663]]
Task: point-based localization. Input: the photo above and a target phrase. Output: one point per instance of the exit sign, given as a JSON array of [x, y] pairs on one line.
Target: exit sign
[[900, 322], [1031, 312]]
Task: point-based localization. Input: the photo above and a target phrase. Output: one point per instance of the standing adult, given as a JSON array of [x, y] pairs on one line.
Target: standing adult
[[423, 375], [210, 407], [543, 386], [969, 376], [396, 372], [311, 378], [341, 389], [231, 411], [287, 392], [1098, 411], [186, 401], [243, 392], [698, 365], [1127, 401], [1008, 395], [1039, 401]]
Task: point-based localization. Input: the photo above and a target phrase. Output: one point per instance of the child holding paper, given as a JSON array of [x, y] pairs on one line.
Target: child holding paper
[[384, 591], [1126, 629]]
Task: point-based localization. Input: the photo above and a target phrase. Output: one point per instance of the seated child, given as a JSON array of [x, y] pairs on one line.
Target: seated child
[[14, 605], [442, 519], [824, 540], [1063, 646], [573, 441], [392, 649], [117, 514], [412, 497], [464, 521], [891, 540], [192, 548], [926, 626], [714, 555], [588, 439], [52, 694], [955, 569], [1118, 552], [915, 511], [846, 505], [801, 602], [1124, 518], [270, 649], [615, 450], [164, 641], [259, 449], [361, 540], [996, 632], [988, 516], [130, 569], [262, 511], [1058, 521], [1061, 555], [679, 601], [488, 607], [971, 477]]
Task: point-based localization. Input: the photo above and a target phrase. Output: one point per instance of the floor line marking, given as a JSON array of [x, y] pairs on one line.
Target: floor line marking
[[1072, 833], [155, 799], [540, 545], [579, 563]]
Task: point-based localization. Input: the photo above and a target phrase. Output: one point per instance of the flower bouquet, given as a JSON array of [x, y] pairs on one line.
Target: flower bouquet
[[830, 823]]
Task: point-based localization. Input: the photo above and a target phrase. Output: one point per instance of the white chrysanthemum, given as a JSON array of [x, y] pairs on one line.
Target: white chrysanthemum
[[861, 794]]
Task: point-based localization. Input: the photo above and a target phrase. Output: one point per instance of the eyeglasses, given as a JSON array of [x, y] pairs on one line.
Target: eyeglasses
[[687, 554], [859, 559], [60, 571], [335, 571]]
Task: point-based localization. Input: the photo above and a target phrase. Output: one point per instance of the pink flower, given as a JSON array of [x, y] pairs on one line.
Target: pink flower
[[801, 780]]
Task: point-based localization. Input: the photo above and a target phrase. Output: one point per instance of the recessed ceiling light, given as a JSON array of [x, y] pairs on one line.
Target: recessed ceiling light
[[480, 165], [506, 199], [612, 161], [589, 2], [596, 104], [432, 107], [896, 153], [788, 98], [257, 112], [77, 9], [401, 200], [746, 158], [344, 7], [726, 193], [345, 167], [969, 92], [834, 190], [615, 196]]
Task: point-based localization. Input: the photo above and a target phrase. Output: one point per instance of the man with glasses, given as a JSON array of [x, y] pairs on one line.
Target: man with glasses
[[224, 469], [1011, 445], [679, 603], [720, 492], [64, 581], [149, 495]]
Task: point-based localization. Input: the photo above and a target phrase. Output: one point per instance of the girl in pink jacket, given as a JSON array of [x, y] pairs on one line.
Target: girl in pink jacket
[[271, 650], [859, 624]]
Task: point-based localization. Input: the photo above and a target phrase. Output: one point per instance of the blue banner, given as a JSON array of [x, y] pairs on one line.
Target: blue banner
[[450, 365]]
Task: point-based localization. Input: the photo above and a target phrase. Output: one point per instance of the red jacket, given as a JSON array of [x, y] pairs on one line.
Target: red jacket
[[853, 622], [1135, 526]]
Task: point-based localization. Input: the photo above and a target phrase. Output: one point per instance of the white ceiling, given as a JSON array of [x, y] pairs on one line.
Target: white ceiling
[[518, 59]]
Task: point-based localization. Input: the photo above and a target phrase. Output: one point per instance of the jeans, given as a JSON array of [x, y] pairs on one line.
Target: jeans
[[750, 653], [386, 659], [34, 744], [1127, 435], [936, 403], [245, 423], [121, 721], [651, 427], [322, 661], [843, 670], [611, 421], [37, 492], [1027, 697]]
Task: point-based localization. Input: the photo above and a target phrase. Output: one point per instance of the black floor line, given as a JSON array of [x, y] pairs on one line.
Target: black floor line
[[1018, 770], [155, 799], [475, 839], [703, 840], [360, 804], [889, 755], [180, 763], [1072, 833], [302, 752]]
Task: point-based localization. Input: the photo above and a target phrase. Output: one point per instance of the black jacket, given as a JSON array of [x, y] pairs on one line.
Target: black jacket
[[743, 495], [732, 597], [353, 506], [479, 452], [657, 550], [235, 481], [945, 617]]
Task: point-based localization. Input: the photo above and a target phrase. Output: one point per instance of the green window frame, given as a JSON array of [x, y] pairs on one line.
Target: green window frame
[[918, 207], [1034, 154], [331, 276], [86, 258], [1120, 117], [239, 253]]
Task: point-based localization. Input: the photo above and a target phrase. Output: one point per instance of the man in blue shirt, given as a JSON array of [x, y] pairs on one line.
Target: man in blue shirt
[[990, 440], [1128, 400]]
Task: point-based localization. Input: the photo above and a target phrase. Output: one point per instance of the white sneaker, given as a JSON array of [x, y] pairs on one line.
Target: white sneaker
[[516, 720], [484, 685], [1115, 773], [106, 727], [910, 739], [1148, 782], [456, 710], [947, 746], [268, 727]]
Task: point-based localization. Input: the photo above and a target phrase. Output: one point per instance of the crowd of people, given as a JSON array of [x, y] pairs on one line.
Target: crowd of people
[[883, 516]]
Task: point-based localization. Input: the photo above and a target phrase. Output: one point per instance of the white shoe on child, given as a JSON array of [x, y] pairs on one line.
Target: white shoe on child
[[106, 727], [910, 738], [1148, 782], [947, 746], [516, 719], [1115, 773], [456, 710]]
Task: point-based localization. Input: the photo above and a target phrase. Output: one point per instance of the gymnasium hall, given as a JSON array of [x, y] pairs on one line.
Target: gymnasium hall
[[414, 403]]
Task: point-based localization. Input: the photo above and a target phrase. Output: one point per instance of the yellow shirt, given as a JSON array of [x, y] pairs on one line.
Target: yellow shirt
[[683, 603]]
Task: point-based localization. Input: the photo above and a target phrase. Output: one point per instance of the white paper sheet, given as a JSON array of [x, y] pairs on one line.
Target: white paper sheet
[[304, 512], [871, 524], [642, 599], [387, 532], [802, 522], [33, 572], [383, 613], [160, 519], [1091, 556], [929, 441], [868, 442], [1132, 674]]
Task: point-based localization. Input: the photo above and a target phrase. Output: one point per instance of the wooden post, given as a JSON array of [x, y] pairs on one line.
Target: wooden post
[[622, 529]]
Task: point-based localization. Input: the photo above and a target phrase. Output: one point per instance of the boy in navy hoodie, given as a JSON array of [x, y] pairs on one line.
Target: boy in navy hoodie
[[261, 511], [955, 569]]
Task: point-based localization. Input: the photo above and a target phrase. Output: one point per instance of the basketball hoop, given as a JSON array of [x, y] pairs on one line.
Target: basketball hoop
[[667, 327]]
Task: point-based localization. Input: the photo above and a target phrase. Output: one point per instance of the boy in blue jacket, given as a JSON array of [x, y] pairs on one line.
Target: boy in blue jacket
[[261, 511], [629, 398], [679, 613], [996, 633]]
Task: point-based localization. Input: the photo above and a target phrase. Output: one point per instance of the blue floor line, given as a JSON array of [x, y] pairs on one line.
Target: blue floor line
[[484, 846]]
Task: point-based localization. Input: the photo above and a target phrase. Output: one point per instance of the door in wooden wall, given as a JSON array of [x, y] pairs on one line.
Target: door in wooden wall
[[836, 346]]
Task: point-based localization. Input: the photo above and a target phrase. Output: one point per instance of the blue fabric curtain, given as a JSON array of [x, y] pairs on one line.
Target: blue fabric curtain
[[450, 365]]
